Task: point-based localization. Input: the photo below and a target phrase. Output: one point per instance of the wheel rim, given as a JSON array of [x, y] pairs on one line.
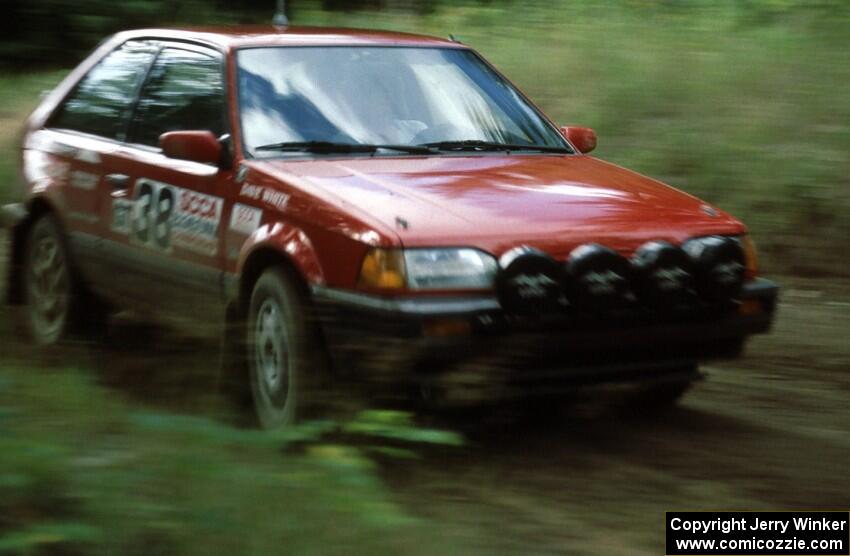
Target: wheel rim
[[271, 355], [47, 286]]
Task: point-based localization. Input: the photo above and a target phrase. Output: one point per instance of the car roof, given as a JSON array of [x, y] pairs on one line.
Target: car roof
[[269, 35]]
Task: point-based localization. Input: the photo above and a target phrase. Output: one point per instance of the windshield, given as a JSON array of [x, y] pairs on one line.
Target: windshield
[[442, 97]]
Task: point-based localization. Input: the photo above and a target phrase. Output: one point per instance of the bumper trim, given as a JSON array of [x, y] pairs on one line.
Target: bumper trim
[[12, 215], [758, 288], [419, 306]]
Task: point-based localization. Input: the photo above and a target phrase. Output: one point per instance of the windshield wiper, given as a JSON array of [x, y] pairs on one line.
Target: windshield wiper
[[490, 146], [323, 147]]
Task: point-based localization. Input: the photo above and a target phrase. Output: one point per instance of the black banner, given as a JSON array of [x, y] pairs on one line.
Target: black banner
[[758, 533]]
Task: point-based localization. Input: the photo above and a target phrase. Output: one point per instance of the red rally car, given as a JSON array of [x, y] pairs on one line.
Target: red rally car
[[389, 199]]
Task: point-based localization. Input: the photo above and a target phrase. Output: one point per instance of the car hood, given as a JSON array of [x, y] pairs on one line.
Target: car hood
[[495, 202]]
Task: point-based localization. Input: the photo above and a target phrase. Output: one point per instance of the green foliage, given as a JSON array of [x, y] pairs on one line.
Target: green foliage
[[80, 474], [18, 95], [398, 426], [58, 33]]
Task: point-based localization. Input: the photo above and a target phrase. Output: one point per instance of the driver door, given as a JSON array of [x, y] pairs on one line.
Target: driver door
[[163, 232]]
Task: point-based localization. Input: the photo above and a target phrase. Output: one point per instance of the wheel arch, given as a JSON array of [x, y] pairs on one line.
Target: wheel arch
[[36, 207], [277, 245], [260, 260]]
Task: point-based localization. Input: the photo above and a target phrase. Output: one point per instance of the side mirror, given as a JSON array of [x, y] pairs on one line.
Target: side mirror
[[197, 146], [583, 138]]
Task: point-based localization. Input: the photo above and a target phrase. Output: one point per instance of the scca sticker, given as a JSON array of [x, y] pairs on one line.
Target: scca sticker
[[164, 216], [196, 222]]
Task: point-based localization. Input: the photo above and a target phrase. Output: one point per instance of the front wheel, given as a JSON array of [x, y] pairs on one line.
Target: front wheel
[[278, 350]]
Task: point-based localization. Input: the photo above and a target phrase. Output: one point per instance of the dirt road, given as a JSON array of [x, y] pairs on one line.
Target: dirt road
[[771, 431]]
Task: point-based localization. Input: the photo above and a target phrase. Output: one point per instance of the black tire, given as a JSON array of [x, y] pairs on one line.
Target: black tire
[[279, 349], [48, 284], [57, 305]]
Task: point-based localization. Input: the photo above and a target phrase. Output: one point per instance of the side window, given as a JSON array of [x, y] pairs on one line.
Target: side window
[[183, 92], [102, 101]]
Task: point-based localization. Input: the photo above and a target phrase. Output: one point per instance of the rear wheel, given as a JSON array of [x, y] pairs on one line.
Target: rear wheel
[[48, 285], [279, 355], [56, 302]]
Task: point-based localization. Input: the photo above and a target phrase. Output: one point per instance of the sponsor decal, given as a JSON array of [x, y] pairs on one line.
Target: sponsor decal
[[271, 197], [275, 198], [195, 222], [727, 273], [85, 155], [602, 283], [251, 191], [245, 219], [670, 279], [532, 286], [56, 169], [122, 210], [83, 180], [163, 216]]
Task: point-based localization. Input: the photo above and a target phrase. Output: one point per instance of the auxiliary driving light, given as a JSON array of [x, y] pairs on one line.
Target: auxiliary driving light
[[720, 264], [664, 275], [530, 282], [598, 278]]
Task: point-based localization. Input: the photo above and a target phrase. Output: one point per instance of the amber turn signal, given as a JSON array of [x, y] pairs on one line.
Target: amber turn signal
[[382, 269], [751, 259]]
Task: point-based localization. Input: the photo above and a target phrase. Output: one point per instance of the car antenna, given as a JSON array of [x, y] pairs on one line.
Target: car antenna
[[280, 20]]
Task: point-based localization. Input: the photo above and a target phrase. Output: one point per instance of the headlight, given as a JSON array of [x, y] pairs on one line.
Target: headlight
[[428, 269], [449, 269]]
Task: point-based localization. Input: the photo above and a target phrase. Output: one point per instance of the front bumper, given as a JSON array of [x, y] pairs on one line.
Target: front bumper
[[12, 215], [427, 336]]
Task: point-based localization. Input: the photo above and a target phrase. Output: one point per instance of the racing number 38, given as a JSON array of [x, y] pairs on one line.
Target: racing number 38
[[151, 223]]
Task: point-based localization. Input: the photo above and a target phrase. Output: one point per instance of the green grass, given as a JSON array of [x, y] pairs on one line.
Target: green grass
[[19, 94], [89, 469], [84, 473], [743, 104]]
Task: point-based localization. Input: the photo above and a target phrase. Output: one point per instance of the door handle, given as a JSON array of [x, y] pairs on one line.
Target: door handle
[[118, 181]]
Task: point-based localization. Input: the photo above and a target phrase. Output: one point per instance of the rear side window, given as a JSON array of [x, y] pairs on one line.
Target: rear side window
[[102, 101], [183, 92]]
